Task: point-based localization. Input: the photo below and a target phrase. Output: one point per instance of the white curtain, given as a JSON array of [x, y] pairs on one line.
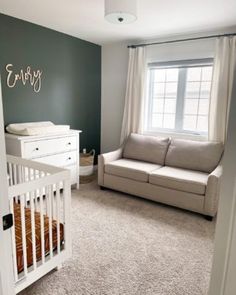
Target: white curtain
[[222, 83], [134, 97]]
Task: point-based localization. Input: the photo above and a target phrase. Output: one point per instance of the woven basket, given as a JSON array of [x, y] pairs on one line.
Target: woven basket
[[86, 167]]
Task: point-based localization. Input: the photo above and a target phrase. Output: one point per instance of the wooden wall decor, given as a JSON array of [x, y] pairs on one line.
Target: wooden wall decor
[[34, 77]]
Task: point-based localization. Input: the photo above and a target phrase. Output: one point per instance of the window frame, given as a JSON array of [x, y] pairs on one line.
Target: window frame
[[182, 65]]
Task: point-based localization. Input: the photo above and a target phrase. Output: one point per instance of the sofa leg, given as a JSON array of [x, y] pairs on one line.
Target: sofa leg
[[102, 188], [209, 218]]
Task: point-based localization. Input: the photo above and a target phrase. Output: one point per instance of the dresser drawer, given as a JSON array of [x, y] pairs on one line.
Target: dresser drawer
[[40, 148], [59, 160]]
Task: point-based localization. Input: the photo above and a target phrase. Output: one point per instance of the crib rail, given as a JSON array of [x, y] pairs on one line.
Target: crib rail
[[39, 199]]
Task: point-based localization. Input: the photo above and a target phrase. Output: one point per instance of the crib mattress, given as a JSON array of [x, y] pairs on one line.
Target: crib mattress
[[18, 234]]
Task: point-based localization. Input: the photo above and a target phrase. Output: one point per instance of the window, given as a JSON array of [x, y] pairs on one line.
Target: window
[[178, 97]]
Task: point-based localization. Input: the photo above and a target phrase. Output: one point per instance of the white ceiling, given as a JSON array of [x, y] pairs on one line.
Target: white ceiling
[[156, 18]]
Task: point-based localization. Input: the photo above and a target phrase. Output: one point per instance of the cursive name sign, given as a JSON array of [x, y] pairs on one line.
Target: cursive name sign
[[29, 75]]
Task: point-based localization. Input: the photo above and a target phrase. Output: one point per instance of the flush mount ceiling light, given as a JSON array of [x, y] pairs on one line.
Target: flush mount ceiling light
[[121, 11]]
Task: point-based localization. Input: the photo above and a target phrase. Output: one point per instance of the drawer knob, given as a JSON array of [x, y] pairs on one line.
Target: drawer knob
[[69, 158], [37, 149], [69, 143]]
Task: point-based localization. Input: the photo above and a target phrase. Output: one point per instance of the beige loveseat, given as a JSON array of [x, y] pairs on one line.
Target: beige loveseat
[[182, 173]]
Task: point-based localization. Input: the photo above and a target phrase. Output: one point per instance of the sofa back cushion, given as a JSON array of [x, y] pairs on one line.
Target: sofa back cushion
[[146, 148], [194, 155]]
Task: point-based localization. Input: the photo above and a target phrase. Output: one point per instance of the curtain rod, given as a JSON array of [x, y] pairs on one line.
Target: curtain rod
[[182, 40]]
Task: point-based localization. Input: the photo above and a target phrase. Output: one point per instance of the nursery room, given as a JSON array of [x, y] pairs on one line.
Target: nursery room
[[117, 151]]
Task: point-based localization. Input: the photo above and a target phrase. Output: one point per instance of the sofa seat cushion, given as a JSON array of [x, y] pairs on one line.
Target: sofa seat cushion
[[132, 169], [180, 179]]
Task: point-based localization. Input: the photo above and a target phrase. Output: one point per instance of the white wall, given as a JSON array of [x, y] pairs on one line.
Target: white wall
[[180, 51], [114, 73]]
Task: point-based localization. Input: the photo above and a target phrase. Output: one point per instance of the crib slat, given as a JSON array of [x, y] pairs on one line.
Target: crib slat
[[10, 174], [50, 190], [23, 174], [16, 180], [27, 174], [53, 188], [37, 192], [66, 209], [35, 174], [19, 174], [30, 174], [32, 195], [27, 196], [58, 217], [47, 199], [22, 210], [13, 236], [19, 177], [42, 227], [14, 174]]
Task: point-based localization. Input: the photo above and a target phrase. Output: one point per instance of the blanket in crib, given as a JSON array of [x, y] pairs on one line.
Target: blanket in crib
[[38, 237]]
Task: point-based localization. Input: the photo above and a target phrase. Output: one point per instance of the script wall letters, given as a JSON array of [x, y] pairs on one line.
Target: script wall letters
[[34, 77]]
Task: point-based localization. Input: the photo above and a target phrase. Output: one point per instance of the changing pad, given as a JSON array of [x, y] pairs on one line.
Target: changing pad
[[36, 128]]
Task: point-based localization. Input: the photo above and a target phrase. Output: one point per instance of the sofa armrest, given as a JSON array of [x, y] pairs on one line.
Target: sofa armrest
[[213, 191], [104, 159]]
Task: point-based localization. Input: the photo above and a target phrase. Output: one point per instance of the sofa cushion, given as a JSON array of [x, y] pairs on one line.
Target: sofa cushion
[[132, 169], [194, 155], [180, 179], [146, 148]]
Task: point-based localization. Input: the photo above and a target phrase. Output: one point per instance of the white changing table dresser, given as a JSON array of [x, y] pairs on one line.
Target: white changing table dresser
[[60, 150]]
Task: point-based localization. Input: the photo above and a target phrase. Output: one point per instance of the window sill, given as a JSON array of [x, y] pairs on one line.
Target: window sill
[[197, 137]]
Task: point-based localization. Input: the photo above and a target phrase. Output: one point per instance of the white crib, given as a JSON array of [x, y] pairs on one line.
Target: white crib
[[39, 199]]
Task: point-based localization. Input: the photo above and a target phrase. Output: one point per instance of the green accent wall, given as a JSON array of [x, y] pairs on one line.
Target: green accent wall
[[71, 79]]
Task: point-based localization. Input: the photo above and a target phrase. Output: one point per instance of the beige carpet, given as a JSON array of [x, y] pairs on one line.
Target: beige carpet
[[126, 245]]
